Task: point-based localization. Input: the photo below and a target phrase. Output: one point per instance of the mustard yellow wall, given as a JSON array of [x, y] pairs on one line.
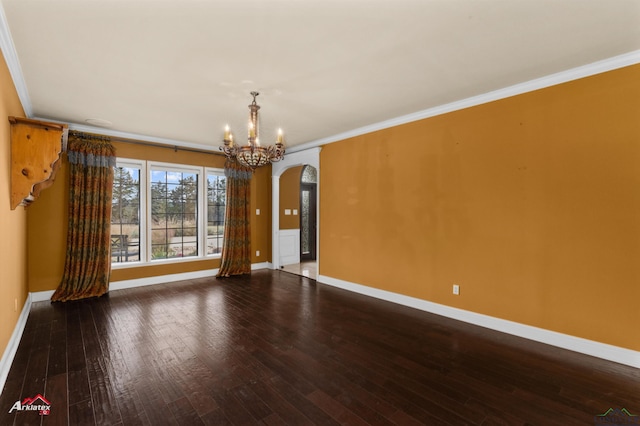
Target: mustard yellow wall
[[48, 218], [261, 224], [13, 223], [531, 204], [47, 233], [290, 198]]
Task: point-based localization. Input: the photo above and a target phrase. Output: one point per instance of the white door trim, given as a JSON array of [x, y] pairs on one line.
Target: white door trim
[[307, 157]]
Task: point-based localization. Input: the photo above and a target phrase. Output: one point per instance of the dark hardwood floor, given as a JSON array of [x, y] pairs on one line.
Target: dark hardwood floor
[[277, 349]]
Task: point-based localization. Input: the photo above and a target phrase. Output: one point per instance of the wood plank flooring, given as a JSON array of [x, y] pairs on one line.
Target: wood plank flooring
[[280, 349]]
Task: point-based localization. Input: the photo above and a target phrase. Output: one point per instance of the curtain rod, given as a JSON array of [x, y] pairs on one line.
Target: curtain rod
[[175, 148]]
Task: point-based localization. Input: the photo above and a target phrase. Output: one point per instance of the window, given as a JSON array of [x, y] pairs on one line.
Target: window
[[174, 213], [163, 220], [216, 204], [125, 213]]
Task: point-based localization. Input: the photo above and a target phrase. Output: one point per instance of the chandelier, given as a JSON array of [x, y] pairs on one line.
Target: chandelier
[[253, 155]]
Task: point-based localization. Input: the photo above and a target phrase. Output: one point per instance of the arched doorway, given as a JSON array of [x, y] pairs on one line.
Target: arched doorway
[[310, 157]]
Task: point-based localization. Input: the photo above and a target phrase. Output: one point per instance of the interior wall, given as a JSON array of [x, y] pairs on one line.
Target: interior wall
[[531, 204], [261, 223], [48, 219], [13, 223], [47, 233], [290, 198]]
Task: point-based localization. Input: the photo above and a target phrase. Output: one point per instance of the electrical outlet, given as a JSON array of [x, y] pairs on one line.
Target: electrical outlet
[[456, 289], [257, 253]]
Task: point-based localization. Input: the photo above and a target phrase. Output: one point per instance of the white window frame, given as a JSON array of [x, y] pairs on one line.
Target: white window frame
[[145, 210], [218, 172], [179, 168], [142, 217]]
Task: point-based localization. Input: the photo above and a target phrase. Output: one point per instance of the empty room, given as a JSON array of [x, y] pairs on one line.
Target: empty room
[[298, 212]]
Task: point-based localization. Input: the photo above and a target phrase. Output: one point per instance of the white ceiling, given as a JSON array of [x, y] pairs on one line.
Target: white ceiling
[[178, 70]]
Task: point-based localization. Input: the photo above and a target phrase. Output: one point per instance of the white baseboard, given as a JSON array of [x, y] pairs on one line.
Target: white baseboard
[[14, 341], [41, 296], [161, 279], [263, 265], [565, 341]]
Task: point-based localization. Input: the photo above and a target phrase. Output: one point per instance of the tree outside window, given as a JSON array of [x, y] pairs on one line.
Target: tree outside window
[[174, 214], [216, 203], [156, 212], [125, 215]]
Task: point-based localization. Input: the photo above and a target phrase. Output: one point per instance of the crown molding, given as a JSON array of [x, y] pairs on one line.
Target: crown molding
[[620, 61], [134, 136], [609, 64], [11, 58]]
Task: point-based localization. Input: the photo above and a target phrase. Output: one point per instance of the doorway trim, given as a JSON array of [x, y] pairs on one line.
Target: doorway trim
[[309, 157]]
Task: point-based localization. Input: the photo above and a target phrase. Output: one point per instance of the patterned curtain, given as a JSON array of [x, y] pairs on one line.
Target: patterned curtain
[[88, 260], [236, 248]]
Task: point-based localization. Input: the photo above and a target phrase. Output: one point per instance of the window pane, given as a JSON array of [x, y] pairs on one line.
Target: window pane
[[309, 175], [125, 215], [305, 222], [174, 214], [158, 176], [174, 229], [216, 203]]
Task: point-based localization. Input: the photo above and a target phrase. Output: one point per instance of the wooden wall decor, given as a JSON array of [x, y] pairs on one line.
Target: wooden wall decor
[[36, 147]]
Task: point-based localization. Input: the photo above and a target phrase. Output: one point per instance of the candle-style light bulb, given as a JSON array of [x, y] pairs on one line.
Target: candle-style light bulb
[[279, 139]]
